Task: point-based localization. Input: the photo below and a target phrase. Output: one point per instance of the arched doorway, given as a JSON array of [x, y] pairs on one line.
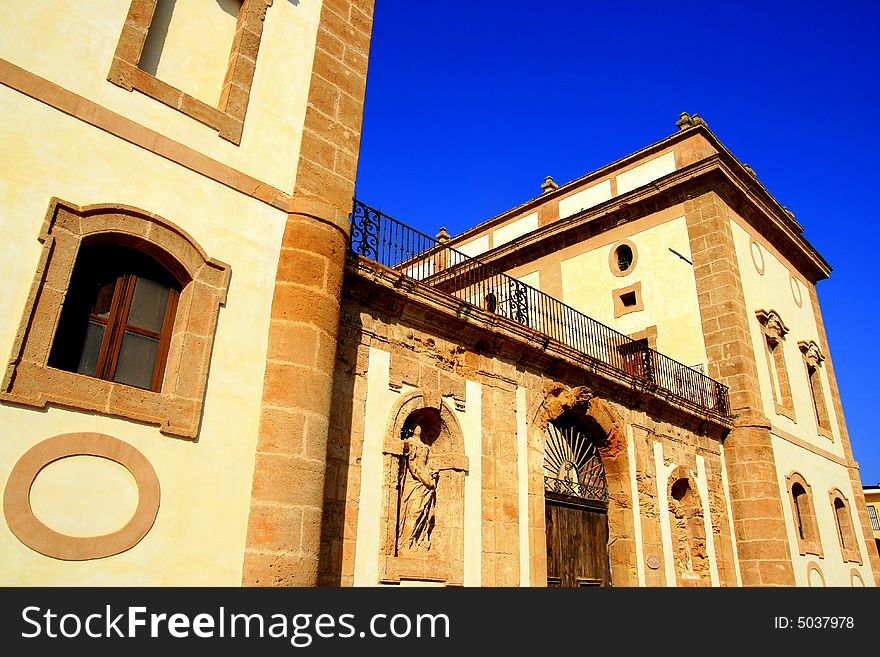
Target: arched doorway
[[576, 504]]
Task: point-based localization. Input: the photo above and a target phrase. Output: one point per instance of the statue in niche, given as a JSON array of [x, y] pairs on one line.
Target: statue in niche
[[417, 486]]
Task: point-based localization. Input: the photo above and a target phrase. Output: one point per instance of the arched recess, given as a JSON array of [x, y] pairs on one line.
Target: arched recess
[[424, 466], [584, 467], [176, 406], [846, 535], [800, 495], [688, 529]]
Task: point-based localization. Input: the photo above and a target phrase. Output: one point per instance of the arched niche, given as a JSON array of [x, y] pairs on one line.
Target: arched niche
[[688, 530], [424, 466]]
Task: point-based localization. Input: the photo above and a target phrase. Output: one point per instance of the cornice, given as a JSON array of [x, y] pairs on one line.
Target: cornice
[[720, 173], [396, 295], [735, 182]]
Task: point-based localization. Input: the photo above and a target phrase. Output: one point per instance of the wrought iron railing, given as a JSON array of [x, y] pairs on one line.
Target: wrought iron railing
[[589, 491], [379, 237]]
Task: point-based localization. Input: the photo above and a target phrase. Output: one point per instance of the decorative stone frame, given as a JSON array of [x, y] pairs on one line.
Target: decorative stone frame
[[846, 536], [754, 248], [854, 575], [228, 117], [692, 513], [32, 532], [811, 566], [617, 296], [612, 258], [444, 563], [797, 290], [813, 358], [177, 408], [774, 331], [811, 542]]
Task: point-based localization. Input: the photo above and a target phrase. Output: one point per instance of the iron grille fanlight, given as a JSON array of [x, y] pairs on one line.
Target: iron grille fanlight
[[572, 465]]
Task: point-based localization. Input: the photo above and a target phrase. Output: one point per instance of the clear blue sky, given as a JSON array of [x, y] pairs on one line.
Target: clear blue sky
[[470, 104]]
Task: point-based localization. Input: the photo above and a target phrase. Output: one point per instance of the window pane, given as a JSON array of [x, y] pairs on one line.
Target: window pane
[[88, 360], [104, 299], [148, 305], [137, 358]]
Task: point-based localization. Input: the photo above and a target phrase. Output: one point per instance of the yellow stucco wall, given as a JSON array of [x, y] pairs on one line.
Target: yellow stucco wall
[[773, 290], [823, 476], [72, 44], [668, 289], [205, 485]]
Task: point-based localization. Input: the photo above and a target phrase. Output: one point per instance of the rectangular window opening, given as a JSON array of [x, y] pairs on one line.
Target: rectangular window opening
[[628, 299], [188, 45]]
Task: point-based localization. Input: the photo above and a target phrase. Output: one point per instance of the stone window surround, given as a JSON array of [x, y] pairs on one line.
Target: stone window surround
[[774, 330], [228, 117], [612, 258], [813, 358], [177, 408], [619, 308], [849, 554], [806, 545]]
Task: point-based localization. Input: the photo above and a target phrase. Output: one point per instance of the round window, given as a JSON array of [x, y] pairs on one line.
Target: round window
[[624, 256]]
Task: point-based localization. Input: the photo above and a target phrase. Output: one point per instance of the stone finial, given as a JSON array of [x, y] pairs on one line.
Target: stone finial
[[686, 120], [442, 235], [549, 184]]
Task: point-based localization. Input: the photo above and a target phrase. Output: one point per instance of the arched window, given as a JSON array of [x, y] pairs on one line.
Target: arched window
[[572, 465], [774, 331], [120, 319], [803, 516], [117, 317], [849, 547], [813, 358]]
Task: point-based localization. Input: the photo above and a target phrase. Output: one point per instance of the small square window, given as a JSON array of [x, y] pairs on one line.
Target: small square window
[[628, 299]]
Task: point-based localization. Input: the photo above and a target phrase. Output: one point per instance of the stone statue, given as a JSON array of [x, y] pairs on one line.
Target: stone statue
[[418, 494]]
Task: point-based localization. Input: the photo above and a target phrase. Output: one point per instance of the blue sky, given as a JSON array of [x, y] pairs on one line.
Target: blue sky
[[470, 104]]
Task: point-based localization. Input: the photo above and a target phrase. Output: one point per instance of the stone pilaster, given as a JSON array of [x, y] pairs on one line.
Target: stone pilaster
[[759, 524], [287, 499]]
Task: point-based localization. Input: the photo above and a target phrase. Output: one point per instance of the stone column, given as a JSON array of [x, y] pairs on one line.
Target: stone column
[[759, 524], [287, 498]]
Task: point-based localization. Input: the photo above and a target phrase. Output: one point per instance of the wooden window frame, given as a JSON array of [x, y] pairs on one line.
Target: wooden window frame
[[116, 325], [228, 117], [177, 407]]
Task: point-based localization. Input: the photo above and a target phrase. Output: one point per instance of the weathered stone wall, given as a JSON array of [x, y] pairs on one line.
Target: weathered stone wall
[[449, 361]]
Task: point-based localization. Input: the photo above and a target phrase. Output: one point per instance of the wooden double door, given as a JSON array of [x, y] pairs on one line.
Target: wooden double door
[[577, 542]]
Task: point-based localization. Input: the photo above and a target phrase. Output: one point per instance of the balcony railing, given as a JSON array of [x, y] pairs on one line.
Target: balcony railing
[[378, 237]]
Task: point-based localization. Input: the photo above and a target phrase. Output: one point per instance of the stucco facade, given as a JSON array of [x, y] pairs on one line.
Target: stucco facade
[[661, 410]]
